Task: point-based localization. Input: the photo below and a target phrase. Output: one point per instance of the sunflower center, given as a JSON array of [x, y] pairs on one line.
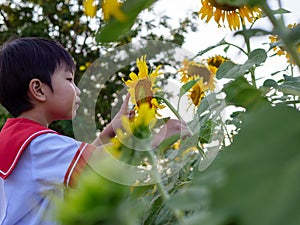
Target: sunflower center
[[216, 61], [224, 7], [200, 71], [196, 95], [143, 91]]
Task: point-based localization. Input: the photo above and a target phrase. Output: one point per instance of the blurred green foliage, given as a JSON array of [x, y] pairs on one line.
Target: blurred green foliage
[[116, 206], [254, 180]]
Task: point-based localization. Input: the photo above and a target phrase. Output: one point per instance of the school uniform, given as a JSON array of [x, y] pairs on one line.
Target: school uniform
[[36, 165]]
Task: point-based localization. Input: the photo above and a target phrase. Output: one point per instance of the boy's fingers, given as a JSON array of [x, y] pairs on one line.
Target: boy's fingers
[[124, 106], [127, 99]]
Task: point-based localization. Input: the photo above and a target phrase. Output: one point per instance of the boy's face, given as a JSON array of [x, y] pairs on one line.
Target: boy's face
[[64, 101]]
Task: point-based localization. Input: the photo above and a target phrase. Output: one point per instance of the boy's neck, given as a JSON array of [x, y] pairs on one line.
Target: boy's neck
[[37, 117]]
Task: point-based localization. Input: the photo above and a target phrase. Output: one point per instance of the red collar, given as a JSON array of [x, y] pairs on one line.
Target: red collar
[[15, 136]]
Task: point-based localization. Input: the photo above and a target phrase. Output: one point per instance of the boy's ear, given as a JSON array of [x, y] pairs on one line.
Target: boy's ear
[[36, 90]]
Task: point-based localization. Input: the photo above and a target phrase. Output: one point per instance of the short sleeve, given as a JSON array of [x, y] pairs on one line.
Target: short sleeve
[[57, 159]]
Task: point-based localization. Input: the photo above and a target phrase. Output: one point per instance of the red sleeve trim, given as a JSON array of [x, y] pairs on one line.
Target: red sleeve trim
[[78, 163]]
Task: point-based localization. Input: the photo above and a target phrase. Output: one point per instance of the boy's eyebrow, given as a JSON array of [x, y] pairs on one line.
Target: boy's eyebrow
[[67, 67], [71, 71]]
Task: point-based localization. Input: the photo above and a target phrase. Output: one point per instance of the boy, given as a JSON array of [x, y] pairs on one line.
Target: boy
[[37, 87]]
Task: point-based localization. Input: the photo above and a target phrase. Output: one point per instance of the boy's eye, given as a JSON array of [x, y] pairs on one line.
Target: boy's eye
[[70, 79]]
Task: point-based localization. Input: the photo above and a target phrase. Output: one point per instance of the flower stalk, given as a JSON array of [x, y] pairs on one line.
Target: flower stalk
[[161, 188], [174, 111]]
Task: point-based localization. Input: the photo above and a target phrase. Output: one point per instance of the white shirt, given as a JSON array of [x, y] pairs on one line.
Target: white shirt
[[45, 168]]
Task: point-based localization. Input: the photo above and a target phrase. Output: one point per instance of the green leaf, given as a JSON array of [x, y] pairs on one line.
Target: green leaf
[[204, 218], [240, 93], [222, 42], [252, 32], [186, 87], [193, 198], [260, 172], [270, 83], [166, 143], [291, 85], [206, 131], [209, 102], [189, 142], [228, 69], [210, 108], [257, 56], [161, 121], [231, 70], [210, 154], [114, 29], [280, 11], [290, 88], [291, 79]]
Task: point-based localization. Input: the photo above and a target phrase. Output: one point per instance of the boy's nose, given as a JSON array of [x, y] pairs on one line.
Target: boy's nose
[[78, 92]]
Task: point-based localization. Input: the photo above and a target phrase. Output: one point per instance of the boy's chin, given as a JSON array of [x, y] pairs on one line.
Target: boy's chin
[[73, 116], [74, 113]]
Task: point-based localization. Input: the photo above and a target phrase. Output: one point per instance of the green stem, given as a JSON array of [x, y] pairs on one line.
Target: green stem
[[170, 107], [174, 111], [161, 188], [252, 70], [227, 132], [238, 47], [164, 194], [218, 45], [178, 103]]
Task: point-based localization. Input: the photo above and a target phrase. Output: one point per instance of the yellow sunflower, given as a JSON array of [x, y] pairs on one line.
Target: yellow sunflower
[[196, 93], [140, 127], [214, 62], [192, 70], [112, 8], [279, 49], [90, 8], [115, 149], [233, 14], [145, 117], [141, 85]]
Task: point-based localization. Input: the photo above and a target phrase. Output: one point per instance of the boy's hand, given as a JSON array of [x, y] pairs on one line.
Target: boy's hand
[[172, 127], [109, 130], [122, 112]]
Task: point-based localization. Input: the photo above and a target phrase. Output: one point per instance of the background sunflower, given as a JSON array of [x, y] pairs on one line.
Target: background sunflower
[[234, 15]]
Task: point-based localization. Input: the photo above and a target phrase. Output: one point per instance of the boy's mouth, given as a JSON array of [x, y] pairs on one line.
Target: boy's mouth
[[77, 104]]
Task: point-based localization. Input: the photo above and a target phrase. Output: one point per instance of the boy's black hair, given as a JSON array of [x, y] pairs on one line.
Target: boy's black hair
[[23, 59]]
